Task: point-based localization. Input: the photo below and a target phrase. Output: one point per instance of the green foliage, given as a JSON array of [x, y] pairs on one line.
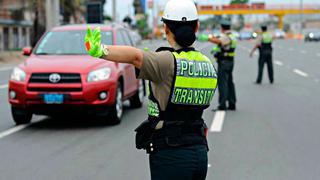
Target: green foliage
[[211, 23], [239, 1], [107, 18], [142, 26]]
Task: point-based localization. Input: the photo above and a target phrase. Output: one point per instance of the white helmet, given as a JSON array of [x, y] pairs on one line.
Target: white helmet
[[180, 10]]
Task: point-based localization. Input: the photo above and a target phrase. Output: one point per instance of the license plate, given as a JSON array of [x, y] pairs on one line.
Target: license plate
[[53, 98]]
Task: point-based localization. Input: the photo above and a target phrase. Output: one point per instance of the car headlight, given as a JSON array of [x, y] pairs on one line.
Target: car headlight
[[99, 75], [18, 75], [311, 35], [254, 35]]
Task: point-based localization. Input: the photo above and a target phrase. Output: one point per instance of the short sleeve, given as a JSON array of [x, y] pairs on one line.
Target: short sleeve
[[225, 40], [156, 66]]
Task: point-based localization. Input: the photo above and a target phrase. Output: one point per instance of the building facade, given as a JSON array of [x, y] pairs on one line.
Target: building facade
[[15, 24]]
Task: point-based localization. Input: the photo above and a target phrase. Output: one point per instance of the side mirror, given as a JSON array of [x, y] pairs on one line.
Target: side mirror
[[27, 51]]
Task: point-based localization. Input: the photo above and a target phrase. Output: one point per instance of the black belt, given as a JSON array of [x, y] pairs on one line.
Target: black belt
[[169, 142]]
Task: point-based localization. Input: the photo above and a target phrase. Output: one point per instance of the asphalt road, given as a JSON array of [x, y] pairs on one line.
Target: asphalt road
[[272, 135]]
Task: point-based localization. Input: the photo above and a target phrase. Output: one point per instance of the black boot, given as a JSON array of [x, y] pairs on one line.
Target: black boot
[[232, 107], [222, 107]]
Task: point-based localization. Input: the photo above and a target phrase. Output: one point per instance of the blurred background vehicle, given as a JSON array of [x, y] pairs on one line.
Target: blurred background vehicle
[[59, 77], [312, 35], [279, 34], [136, 38], [254, 34], [245, 35]]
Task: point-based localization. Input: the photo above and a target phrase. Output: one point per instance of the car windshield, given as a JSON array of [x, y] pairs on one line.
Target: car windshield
[[67, 43]]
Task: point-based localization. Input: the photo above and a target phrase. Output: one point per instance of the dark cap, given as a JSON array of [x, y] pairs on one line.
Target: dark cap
[[264, 27], [225, 24]]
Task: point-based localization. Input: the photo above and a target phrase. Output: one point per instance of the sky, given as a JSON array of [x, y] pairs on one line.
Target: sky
[[124, 7]]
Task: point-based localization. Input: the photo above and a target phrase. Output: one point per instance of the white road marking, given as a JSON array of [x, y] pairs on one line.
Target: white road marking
[[209, 165], [13, 130], [299, 72], [5, 68], [303, 52], [4, 86], [217, 121], [279, 63]]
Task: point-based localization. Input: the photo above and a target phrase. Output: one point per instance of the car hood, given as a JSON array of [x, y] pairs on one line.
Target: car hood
[[63, 63]]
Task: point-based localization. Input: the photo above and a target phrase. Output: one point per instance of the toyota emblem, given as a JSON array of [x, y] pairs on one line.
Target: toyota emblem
[[54, 78]]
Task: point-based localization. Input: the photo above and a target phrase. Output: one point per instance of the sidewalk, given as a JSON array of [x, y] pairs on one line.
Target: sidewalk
[[11, 57]]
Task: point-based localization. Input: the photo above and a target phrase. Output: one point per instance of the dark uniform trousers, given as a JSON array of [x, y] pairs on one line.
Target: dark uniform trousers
[[225, 83], [265, 57], [179, 163]]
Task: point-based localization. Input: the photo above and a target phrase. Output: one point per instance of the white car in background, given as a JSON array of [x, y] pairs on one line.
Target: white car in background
[[279, 34]]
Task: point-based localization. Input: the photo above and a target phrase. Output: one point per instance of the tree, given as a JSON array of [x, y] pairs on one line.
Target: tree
[[71, 8], [39, 26], [240, 17], [239, 1]]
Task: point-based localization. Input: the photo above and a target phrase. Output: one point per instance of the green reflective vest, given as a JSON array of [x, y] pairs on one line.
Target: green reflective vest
[[266, 38], [266, 42], [153, 105], [226, 52], [196, 79], [194, 85]]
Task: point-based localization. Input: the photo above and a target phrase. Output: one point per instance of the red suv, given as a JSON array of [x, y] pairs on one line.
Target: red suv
[[59, 77]]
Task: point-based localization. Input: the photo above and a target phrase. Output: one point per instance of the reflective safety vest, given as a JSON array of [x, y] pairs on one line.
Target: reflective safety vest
[[266, 43], [226, 52], [192, 90]]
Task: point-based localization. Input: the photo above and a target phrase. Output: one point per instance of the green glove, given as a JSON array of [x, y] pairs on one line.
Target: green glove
[[93, 42], [215, 49], [212, 51], [203, 37]]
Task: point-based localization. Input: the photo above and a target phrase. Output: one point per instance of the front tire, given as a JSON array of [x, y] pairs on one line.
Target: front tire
[[117, 109], [137, 99], [21, 116]]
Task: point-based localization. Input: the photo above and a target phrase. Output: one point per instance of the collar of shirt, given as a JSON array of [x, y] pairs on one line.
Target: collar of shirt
[[177, 47]]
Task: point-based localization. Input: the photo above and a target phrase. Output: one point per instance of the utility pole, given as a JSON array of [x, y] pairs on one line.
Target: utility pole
[[52, 13], [301, 16], [114, 10]]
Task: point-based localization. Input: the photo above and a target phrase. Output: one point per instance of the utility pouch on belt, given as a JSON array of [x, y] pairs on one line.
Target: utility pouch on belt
[[144, 133]]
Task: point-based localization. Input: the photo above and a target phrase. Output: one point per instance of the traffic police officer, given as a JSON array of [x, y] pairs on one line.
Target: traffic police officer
[[264, 44], [182, 85], [224, 53]]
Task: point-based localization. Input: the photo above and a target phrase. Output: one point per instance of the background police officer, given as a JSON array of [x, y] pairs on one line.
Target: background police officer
[[224, 54], [182, 84], [264, 44]]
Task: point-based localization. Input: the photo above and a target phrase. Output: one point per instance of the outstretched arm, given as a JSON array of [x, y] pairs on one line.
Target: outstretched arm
[[254, 49], [124, 54], [214, 40], [121, 54], [210, 38]]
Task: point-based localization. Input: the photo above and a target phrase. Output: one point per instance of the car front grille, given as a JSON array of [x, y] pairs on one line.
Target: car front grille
[[64, 78], [37, 89]]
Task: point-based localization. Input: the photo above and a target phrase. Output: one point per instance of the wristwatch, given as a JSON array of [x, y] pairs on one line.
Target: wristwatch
[[105, 50]]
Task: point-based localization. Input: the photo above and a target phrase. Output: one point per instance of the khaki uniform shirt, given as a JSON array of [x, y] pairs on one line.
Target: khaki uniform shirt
[[225, 39], [158, 67]]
